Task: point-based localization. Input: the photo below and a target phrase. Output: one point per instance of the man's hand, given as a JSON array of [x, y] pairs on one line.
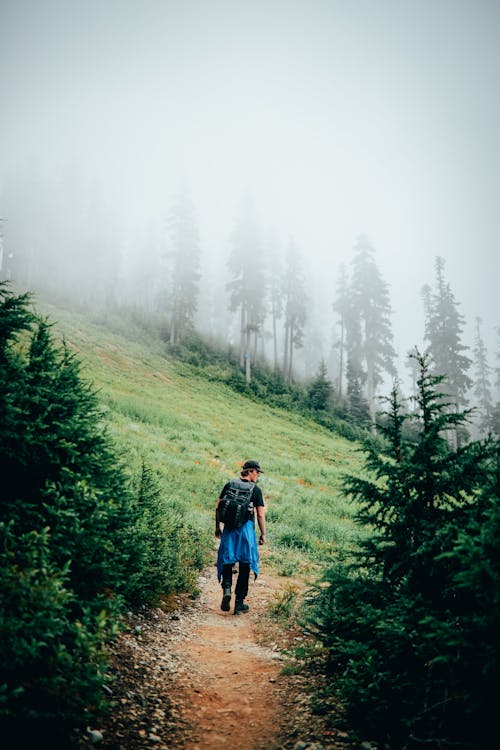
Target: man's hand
[[218, 533], [262, 539]]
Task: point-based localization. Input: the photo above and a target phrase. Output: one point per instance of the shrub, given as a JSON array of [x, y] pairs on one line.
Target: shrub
[[51, 647], [79, 539], [411, 627], [165, 551]]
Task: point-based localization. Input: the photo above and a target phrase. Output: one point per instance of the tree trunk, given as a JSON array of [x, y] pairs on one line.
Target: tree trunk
[[290, 356], [248, 364], [370, 394], [242, 336], [341, 354], [285, 354], [275, 340], [172, 329]]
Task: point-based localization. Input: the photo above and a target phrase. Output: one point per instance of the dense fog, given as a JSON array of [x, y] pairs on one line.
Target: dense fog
[[323, 121]]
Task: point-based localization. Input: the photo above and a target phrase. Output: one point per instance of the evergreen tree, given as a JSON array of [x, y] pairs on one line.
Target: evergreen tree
[[247, 287], [371, 346], [77, 542], [185, 268], [295, 305], [341, 305], [495, 419], [402, 623], [408, 509], [320, 390], [443, 331], [472, 659], [412, 366], [497, 369], [63, 522], [482, 380], [358, 407], [60, 470], [495, 414], [275, 298]]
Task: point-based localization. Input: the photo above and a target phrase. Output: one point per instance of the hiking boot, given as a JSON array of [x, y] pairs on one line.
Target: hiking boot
[[225, 604], [240, 607]]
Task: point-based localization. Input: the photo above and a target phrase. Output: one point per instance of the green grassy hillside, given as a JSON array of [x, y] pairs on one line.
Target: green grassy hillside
[[195, 433]]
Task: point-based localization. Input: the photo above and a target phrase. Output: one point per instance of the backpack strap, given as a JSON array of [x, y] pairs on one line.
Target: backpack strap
[[236, 484]]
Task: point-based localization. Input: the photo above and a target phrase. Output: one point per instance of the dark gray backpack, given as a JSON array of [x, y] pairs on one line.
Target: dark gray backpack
[[236, 507]]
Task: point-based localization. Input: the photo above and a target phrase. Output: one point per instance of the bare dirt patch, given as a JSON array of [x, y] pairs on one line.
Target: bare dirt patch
[[197, 678]]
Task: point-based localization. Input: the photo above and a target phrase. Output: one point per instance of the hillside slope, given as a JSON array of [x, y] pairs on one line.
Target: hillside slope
[[196, 432]]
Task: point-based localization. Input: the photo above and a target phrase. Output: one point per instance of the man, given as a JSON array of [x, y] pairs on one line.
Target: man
[[240, 545]]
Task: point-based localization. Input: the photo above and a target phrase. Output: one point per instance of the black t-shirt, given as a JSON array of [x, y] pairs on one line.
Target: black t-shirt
[[257, 497]]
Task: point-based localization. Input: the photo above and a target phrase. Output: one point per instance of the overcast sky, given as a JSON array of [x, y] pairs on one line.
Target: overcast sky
[[343, 117]]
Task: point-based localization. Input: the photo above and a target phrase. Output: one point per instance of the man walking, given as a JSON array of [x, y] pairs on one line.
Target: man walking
[[239, 545]]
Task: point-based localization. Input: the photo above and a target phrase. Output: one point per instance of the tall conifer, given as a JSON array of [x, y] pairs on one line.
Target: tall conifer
[[341, 306], [444, 326], [482, 381], [184, 255], [403, 622], [247, 287], [370, 344], [295, 306]]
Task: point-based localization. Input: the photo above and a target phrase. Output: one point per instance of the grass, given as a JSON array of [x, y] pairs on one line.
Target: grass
[[195, 433]]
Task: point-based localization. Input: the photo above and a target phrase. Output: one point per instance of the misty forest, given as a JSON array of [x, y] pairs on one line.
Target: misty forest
[[227, 235], [260, 303]]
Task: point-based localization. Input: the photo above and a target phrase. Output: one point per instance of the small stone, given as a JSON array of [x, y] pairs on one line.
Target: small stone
[[95, 736]]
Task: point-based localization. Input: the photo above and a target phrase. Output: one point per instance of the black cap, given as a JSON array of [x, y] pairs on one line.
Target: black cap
[[249, 465]]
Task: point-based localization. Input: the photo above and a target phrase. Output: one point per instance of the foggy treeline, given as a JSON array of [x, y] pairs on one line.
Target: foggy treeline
[[259, 294]]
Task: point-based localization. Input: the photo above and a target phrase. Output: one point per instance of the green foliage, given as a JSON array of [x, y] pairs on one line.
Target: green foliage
[[78, 539], [366, 336], [359, 410], [165, 550], [315, 400], [411, 627], [51, 647], [355, 430], [283, 604], [320, 390], [62, 471], [482, 381], [219, 363], [184, 257], [443, 331], [294, 307]]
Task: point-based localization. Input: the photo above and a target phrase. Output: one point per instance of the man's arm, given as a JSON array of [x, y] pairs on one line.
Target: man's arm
[[261, 520], [218, 531]]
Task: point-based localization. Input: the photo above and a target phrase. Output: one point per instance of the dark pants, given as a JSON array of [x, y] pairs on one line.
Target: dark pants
[[242, 583]]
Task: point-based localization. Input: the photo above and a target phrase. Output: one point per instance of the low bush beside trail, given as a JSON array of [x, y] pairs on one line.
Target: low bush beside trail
[[411, 624], [82, 536]]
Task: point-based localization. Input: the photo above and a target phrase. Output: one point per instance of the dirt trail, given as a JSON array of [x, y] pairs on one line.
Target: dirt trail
[[229, 684], [197, 678]]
